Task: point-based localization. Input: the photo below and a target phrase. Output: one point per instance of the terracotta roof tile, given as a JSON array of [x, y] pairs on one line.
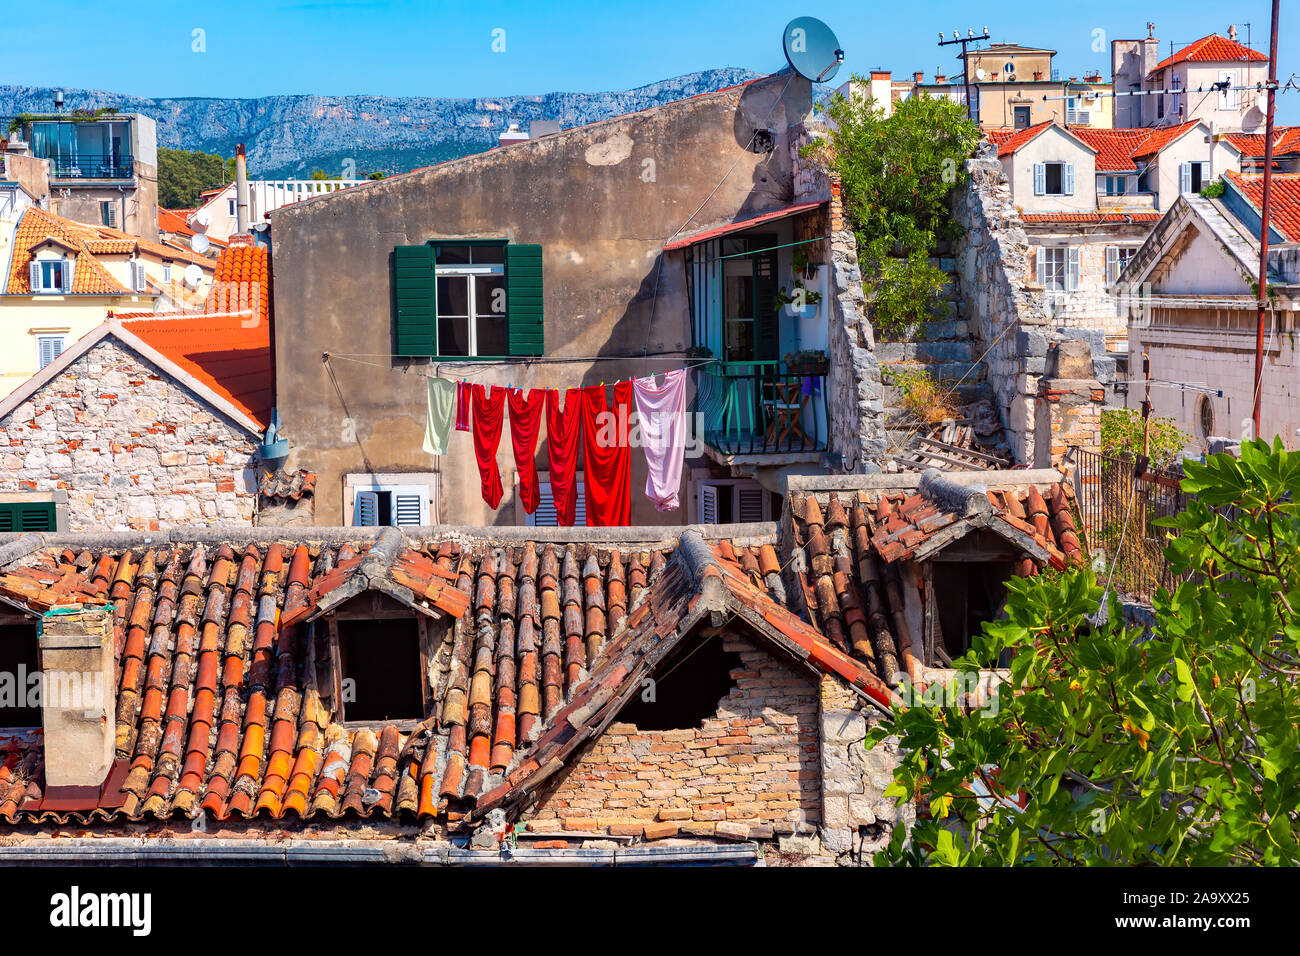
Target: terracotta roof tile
[[89, 277], [1020, 137], [1116, 217], [1212, 49], [287, 486], [1284, 200]]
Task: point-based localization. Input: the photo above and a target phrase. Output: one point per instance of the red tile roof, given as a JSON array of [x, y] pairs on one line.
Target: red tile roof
[[1286, 140], [175, 222], [217, 712], [89, 277], [1212, 49], [281, 485], [1284, 200], [228, 346], [1116, 217], [1020, 137]]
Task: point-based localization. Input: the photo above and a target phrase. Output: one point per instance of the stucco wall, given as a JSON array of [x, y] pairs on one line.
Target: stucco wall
[[601, 200], [130, 446], [1053, 146]]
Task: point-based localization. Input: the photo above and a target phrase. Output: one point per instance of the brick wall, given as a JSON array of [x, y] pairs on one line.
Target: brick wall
[[751, 771], [132, 448]]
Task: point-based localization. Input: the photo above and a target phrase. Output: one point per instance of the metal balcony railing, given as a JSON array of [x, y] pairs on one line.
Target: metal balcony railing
[[762, 408], [91, 166]]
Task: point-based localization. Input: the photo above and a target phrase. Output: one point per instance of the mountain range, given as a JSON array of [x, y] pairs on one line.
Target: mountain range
[[289, 136]]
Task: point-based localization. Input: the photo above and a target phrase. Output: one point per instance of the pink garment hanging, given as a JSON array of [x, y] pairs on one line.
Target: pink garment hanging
[[661, 412], [563, 440], [464, 406], [525, 424]]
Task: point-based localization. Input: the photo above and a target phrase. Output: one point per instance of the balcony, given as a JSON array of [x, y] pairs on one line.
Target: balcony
[[763, 411], [91, 166]]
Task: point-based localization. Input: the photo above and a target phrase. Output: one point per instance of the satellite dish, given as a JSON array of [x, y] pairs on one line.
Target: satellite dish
[[199, 243], [202, 219], [812, 50], [980, 74], [193, 275]]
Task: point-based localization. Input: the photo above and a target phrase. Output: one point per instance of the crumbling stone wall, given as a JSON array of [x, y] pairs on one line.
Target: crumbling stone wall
[[749, 772], [131, 447], [857, 819]]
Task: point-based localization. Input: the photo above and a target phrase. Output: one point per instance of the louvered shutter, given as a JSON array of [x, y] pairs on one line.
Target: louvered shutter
[[544, 516], [525, 334], [1072, 269], [49, 347], [408, 508], [366, 511], [27, 516], [69, 267], [416, 294], [1067, 178], [708, 509], [1112, 264], [767, 321], [34, 275], [1185, 178], [751, 502], [1040, 265], [138, 278], [1040, 179]]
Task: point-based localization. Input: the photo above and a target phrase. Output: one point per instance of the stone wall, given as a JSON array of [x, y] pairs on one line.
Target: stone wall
[[857, 820], [131, 447], [749, 772]]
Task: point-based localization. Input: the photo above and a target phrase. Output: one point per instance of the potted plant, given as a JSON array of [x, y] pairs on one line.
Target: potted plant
[[807, 362], [801, 265], [800, 297]]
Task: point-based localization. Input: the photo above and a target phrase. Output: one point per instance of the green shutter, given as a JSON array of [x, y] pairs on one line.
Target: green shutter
[[417, 300], [27, 516], [524, 299], [767, 322]]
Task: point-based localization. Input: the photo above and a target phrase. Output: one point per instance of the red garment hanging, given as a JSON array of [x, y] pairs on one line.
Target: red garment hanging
[[608, 456], [563, 438], [525, 423], [464, 401], [489, 410]]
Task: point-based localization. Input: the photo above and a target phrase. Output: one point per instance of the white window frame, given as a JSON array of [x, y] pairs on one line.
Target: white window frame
[[38, 273], [167, 272], [1075, 116], [1185, 177], [423, 484], [1176, 84], [471, 271], [139, 278], [1117, 257], [707, 488], [42, 341], [545, 515], [231, 209], [1067, 271], [1228, 97], [1067, 178]]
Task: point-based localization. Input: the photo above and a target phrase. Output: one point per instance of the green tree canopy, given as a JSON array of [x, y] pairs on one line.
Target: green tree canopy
[[183, 175], [1111, 744]]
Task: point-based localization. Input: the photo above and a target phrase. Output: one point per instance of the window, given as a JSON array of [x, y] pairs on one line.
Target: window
[[1160, 100], [684, 697], [392, 505], [48, 348], [27, 516], [1175, 84], [471, 299], [1058, 268], [732, 502], [1022, 117], [1053, 179], [1117, 257], [108, 213], [545, 516], [1114, 185], [230, 208], [19, 661], [1073, 114], [51, 275], [381, 669], [167, 272], [1193, 177], [1144, 181], [139, 278], [1205, 416], [461, 299]]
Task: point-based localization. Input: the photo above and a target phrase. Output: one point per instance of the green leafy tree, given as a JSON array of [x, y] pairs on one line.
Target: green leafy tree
[[1121, 436], [183, 175], [896, 173], [1173, 746]]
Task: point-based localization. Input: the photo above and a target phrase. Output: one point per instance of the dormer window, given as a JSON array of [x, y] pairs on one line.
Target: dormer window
[[51, 276]]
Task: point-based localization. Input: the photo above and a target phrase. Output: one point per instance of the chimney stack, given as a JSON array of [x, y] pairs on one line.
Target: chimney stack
[[512, 135], [939, 77], [1232, 31], [77, 695], [918, 77], [241, 191]]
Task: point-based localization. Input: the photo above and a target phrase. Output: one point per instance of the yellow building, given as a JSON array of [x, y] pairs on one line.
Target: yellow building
[[64, 277]]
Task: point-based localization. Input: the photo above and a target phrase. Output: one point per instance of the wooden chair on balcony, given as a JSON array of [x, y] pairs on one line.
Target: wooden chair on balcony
[[783, 406]]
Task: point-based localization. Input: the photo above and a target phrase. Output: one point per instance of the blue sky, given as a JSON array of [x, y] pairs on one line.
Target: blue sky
[[417, 47]]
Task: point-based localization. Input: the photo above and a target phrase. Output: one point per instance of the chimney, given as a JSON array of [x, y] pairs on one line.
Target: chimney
[[241, 191], [918, 77], [77, 695], [939, 77], [1232, 31], [512, 135]]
